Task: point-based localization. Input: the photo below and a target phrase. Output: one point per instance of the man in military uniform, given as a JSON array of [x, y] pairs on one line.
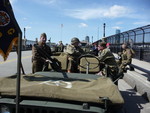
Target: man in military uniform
[[73, 51], [105, 56], [60, 47], [126, 57], [38, 59]]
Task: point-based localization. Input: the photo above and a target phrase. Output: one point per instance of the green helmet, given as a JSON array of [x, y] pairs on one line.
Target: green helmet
[[74, 40]]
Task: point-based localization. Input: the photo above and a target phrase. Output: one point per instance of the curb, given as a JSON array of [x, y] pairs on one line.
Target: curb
[[138, 83]]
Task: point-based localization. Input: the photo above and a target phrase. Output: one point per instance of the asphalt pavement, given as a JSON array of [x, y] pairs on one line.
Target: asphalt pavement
[[9, 67]]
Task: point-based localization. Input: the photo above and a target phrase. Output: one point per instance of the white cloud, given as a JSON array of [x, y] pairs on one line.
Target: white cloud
[[117, 11], [116, 27], [119, 23], [141, 23], [24, 18], [114, 11], [28, 27], [47, 2], [83, 25]]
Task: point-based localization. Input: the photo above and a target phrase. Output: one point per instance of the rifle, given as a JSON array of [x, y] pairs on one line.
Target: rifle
[[53, 62]]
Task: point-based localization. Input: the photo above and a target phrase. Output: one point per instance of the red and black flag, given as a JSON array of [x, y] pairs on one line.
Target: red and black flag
[[8, 28]]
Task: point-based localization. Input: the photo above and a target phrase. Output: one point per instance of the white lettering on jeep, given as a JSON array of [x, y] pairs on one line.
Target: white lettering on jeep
[[60, 83]]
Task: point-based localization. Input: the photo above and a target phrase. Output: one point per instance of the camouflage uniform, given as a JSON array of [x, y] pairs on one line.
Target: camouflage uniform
[[108, 58], [73, 54], [38, 60], [126, 58]]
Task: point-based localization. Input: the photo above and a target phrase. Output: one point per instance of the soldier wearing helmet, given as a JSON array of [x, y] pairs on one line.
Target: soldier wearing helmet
[[73, 51], [126, 56], [38, 59], [75, 40], [108, 59]]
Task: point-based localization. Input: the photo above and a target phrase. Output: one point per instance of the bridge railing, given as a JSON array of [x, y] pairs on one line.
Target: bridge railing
[[138, 39]]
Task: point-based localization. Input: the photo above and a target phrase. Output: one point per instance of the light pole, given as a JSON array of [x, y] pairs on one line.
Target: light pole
[[25, 38], [24, 33], [62, 31], [104, 29]]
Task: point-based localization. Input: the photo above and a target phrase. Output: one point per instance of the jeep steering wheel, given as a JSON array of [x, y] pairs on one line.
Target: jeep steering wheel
[[88, 62]]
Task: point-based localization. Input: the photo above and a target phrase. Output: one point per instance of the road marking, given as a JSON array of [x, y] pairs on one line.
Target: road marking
[[11, 60]]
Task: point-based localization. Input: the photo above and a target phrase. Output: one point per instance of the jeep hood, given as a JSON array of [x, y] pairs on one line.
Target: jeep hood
[[57, 86]]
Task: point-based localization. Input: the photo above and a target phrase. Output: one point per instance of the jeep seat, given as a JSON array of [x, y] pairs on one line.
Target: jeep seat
[[62, 58]]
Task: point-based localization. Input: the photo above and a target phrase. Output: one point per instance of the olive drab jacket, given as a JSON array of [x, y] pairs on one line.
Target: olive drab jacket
[[75, 51], [126, 56], [110, 69], [38, 59], [107, 57], [36, 56], [73, 54]]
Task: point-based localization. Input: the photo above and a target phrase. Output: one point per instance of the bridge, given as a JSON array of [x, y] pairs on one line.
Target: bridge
[[134, 87]]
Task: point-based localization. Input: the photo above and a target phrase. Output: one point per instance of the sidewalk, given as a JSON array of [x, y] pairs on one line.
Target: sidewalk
[[142, 64]]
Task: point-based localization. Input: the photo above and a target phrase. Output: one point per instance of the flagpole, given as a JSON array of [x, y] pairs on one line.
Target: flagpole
[[23, 72], [61, 31], [18, 30], [18, 72]]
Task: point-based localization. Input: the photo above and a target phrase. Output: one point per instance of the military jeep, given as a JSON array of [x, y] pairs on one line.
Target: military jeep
[[61, 92]]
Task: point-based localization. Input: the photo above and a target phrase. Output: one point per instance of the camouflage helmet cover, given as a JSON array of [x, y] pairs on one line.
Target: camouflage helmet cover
[[74, 40]]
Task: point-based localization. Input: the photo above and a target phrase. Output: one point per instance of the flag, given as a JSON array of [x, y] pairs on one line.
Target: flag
[[8, 29]]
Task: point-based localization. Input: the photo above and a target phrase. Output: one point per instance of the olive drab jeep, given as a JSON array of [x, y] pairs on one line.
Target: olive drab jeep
[[61, 92]]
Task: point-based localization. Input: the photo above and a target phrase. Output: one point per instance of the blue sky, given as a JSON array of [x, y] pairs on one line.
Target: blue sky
[[80, 18]]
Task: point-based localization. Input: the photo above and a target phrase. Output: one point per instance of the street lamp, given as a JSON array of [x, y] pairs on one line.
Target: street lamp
[[104, 29], [25, 40], [24, 33]]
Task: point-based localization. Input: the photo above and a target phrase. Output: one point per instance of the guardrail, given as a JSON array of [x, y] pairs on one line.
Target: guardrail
[[138, 39]]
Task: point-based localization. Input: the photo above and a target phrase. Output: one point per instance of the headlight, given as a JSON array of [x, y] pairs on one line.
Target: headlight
[[4, 109]]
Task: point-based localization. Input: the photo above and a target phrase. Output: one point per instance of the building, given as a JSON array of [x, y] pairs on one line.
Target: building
[[87, 39]]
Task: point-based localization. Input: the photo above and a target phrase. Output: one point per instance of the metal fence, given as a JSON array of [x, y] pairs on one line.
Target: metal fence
[[139, 40]]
